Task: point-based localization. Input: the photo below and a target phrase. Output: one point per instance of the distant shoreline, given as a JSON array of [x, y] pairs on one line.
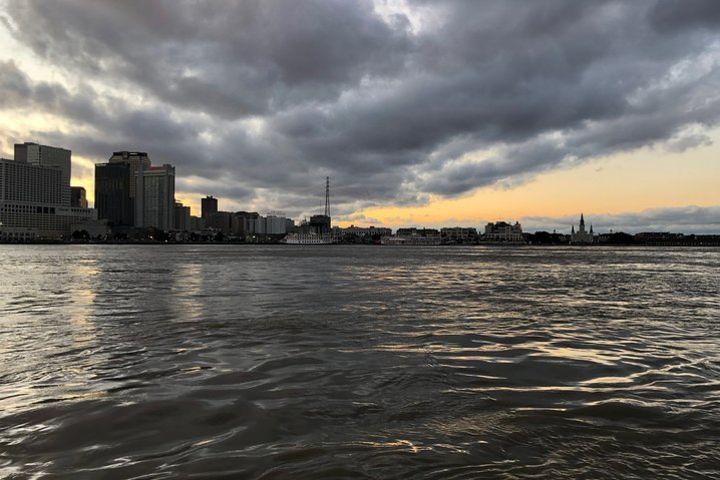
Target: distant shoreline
[[494, 245]]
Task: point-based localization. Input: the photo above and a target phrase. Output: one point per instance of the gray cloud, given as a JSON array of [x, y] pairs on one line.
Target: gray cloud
[[262, 99], [235, 59], [689, 219], [682, 14]]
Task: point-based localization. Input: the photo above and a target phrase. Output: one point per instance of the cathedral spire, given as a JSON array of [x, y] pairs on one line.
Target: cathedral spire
[[582, 220]]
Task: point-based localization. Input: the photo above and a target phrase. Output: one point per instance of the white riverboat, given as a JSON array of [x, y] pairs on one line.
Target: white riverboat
[[308, 239]]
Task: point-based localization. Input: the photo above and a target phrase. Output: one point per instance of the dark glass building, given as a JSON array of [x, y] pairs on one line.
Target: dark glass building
[[209, 206], [112, 193], [78, 198]]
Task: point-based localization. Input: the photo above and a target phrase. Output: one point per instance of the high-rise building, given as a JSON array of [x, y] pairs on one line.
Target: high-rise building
[[112, 194], [209, 205], [30, 183], [138, 161], [32, 203], [78, 197], [182, 217], [47, 156], [155, 197]]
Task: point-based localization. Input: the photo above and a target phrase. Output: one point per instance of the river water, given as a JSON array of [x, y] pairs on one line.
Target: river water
[[221, 361]]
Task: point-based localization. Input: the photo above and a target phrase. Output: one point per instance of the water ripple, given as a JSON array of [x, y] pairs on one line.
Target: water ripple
[[351, 362]]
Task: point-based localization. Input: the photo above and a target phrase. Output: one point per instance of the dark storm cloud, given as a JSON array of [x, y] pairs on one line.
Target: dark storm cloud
[[229, 59], [681, 14], [14, 87], [274, 95]]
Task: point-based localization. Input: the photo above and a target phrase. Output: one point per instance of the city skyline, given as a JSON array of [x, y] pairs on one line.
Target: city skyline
[[617, 117], [118, 205], [342, 239]]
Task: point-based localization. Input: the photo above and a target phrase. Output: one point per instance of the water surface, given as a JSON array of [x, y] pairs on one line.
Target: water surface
[[221, 361]]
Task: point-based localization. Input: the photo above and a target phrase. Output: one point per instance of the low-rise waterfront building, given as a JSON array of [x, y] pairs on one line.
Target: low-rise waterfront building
[[220, 221], [417, 232], [245, 224], [370, 231], [413, 236], [355, 234], [503, 232], [355, 231], [275, 225], [459, 235]]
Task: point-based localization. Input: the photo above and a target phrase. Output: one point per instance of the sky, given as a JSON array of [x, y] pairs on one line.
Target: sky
[[422, 113]]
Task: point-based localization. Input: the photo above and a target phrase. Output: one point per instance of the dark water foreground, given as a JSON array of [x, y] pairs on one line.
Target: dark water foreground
[[359, 362]]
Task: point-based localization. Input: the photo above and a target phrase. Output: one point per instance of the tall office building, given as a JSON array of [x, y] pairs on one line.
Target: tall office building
[[28, 183], [182, 217], [155, 197], [112, 193], [209, 205], [46, 156], [78, 197], [32, 202], [138, 161]]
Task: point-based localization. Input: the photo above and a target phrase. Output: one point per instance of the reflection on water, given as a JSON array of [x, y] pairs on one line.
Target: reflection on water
[[347, 362]]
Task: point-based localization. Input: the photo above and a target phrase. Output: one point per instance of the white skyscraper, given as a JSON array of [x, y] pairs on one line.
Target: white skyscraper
[[155, 197], [47, 156], [31, 202]]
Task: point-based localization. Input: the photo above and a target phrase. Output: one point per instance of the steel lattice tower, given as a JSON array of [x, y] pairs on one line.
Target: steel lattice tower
[[327, 196]]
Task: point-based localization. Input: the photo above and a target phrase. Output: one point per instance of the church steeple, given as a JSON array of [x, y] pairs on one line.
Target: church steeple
[[582, 221]]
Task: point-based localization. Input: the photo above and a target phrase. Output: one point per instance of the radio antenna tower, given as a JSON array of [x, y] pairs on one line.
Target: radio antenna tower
[[327, 196]]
